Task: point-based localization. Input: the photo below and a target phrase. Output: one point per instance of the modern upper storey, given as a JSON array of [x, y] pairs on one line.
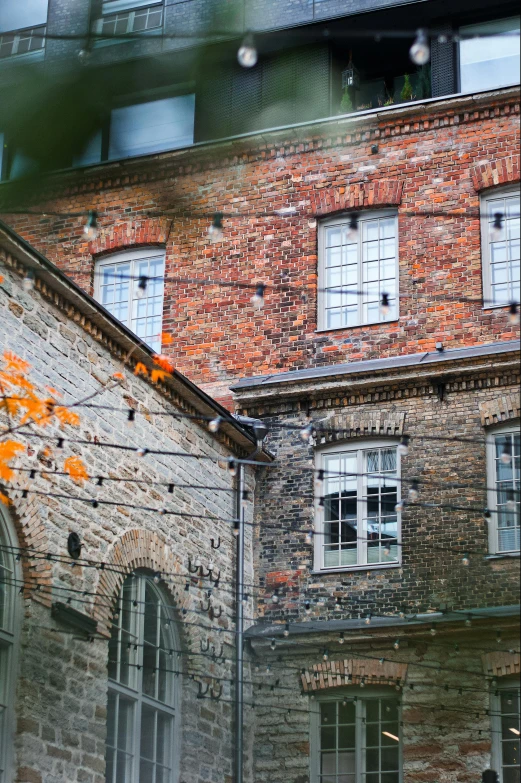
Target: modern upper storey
[[156, 75]]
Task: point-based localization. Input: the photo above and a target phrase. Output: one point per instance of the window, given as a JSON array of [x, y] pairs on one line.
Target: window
[[121, 17], [500, 246], [357, 523], [356, 739], [8, 593], [357, 261], [506, 727], [22, 27], [143, 690], [491, 61], [503, 482], [130, 286]]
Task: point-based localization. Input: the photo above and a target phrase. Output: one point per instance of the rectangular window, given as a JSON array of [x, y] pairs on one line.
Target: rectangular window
[[356, 267], [504, 451], [121, 17], [356, 740], [506, 727], [491, 60], [154, 126], [358, 524], [500, 225], [131, 286], [22, 42]]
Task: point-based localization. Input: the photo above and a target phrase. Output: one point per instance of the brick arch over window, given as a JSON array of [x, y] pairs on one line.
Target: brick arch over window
[[380, 424], [339, 674], [131, 233], [25, 516], [362, 195], [490, 174], [501, 664], [504, 408], [135, 549]]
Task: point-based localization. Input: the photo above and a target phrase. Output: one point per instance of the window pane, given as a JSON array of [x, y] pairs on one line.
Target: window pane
[[148, 733], [152, 127], [492, 60]]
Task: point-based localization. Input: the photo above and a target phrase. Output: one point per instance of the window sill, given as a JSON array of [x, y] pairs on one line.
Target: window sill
[[101, 43], [357, 326], [36, 55], [502, 556], [353, 569]]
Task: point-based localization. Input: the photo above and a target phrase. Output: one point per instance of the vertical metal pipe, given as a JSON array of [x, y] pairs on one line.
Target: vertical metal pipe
[[239, 659]]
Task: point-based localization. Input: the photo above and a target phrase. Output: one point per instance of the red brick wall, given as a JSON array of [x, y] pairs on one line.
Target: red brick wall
[[434, 160]]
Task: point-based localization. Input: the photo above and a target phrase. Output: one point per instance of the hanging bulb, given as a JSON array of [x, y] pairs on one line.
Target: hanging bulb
[[420, 51], [342, 638], [320, 477], [387, 550], [352, 229], [236, 528], [385, 306], [286, 630], [401, 615], [465, 559], [496, 229], [214, 424], [322, 502], [309, 537], [247, 54], [306, 433], [499, 637], [232, 467], [131, 416], [141, 289], [399, 507], [273, 644], [456, 648], [307, 607], [275, 598], [368, 620], [513, 315], [486, 513], [362, 682], [506, 454], [511, 501], [338, 602], [326, 655], [396, 645], [382, 661], [403, 446], [468, 621], [414, 491], [433, 630], [257, 299], [344, 703], [28, 281], [141, 452], [215, 232], [90, 228], [157, 577]]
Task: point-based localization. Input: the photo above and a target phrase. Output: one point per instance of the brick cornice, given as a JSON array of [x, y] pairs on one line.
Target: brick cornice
[[507, 407], [339, 674], [377, 423], [130, 233], [361, 195], [493, 173], [501, 664]]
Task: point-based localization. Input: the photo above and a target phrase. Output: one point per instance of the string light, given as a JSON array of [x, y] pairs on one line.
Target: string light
[[232, 467], [496, 230], [28, 281], [326, 655], [236, 528], [306, 433], [216, 232], [399, 507], [91, 226], [420, 51], [257, 299], [513, 315], [434, 630], [247, 54], [396, 645], [352, 228], [273, 644], [468, 621], [414, 491], [131, 416], [403, 446], [385, 306], [215, 424], [141, 452], [368, 620], [286, 630], [275, 597], [142, 287], [307, 607], [465, 559], [511, 502], [342, 638], [506, 454]]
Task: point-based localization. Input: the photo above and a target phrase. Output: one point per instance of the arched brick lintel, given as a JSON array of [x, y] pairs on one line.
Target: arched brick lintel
[[131, 233], [380, 424], [504, 408], [135, 549], [490, 174], [363, 195], [340, 674]]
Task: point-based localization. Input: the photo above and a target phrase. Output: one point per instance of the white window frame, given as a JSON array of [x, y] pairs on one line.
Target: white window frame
[[134, 691], [116, 8], [505, 684], [132, 257], [9, 641], [344, 219], [481, 30], [486, 218], [21, 35], [362, 696], [511, 427], [351, 447]]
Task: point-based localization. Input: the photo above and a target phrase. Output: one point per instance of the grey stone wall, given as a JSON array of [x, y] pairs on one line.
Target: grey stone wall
[[62, 683]]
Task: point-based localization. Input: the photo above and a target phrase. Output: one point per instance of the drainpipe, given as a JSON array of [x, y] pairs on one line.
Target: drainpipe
[[239, 635]]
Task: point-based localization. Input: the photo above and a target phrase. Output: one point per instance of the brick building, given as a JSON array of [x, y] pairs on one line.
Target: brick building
[[87, 687], [372, 603]]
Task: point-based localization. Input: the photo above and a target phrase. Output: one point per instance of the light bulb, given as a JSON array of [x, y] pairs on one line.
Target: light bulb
[[414, 491], [513, 315], [496, 229], [468, 621], [28, 281], [465, 560], [399, 507], [307, 607], [396, 645], [131, 416], [387, 550], [352, 229], [382, 661], [506, 454], [368, 620], [342, 638], [286, 630], [433, 631], [420, 51], [275, 598], [141, 452], [232, 467], [385, 306], [157, 578], [141, 289], [326, 655], [247, 54], [215, 232], [511, 502], [273, 644], [214, 425], [257, 299], [306, 433], [499, 637], [236, 528], [403, 446], [362, 682], [90, 228], [309, 537]]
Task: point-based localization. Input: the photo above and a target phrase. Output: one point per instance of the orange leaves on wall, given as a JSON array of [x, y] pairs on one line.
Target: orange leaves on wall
[[76, 469], [8, 451]]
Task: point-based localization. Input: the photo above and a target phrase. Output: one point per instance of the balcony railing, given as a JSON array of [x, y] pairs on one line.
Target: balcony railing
[[20, 42]]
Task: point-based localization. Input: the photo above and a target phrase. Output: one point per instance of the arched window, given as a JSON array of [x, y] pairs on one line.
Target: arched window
[[143, 687], [8, 628]]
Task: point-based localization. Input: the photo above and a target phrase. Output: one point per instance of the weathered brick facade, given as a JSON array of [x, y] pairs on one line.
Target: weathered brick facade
[[61, 680]]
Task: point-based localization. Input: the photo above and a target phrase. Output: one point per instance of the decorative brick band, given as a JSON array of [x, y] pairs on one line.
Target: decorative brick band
[[135, 549], [362, 195], [504, 408], [491, 174], [378, 424], [135, 233], [501, 664], [339, 674]]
